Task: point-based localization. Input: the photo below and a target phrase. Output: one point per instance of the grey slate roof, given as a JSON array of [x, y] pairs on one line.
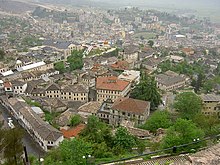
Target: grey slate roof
[[77, 88], [53, 87], [57, 44], [211, 97], [169, 79], [46, 131]]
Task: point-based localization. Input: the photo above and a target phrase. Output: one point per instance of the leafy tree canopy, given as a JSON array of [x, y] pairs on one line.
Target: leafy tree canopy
[[159, 119], [2, 54], [147, 90], [97, 131], [75, 120], [75, 60], [70, 152], [188, 105], [182, 132], [209, 124], [12, 144], [151, 43], [124, 139], [60, 66]]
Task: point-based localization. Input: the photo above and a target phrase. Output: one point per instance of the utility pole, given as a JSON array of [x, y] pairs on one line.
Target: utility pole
[[26, 161]]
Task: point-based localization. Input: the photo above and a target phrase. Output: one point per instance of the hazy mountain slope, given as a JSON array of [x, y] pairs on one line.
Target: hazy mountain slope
[[15, 6]]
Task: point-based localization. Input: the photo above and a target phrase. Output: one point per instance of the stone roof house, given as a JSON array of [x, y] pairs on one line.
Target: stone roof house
[[170, 81], [129, 109]]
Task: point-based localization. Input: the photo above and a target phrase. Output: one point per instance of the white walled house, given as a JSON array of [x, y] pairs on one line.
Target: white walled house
[[19, 87]]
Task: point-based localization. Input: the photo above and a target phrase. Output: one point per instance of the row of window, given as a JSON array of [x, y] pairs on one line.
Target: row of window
[[108, 96], [75, 98], [104, 115], [107, 91], [210, 101], [17, 87], [68, 93]]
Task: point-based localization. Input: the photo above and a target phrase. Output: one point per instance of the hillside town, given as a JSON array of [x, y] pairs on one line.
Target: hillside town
[[104, 76]]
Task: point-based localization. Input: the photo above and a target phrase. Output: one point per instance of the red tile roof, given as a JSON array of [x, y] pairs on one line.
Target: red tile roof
[[131, 105], [96, 67], [7, 84], [73, 132], [120, 65], [111, 83]]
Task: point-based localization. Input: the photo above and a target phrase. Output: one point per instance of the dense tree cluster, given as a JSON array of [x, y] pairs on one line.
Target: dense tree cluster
[[75, 60], [75, 120], [11, 145], [183, 67], [188, 105], [147, 90], [2, 54], [159, 119], [96, 140], [182, 132]]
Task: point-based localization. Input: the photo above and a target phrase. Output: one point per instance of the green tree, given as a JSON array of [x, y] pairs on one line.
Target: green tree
[[60, 66], [217, 71], [13, 147], [209, 124], [70, 152], [2, 54], [97, 131], [198, 83], [182, 132], [75, 120], [188, 105], [147, 90], [75, 60], [123, 139], [159, 119], [150, 43]]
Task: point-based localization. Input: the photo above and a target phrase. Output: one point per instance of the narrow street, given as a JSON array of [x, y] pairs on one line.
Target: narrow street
[[31, 145]]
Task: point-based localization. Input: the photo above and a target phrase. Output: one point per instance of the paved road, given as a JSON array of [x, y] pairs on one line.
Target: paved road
[[31, 145]]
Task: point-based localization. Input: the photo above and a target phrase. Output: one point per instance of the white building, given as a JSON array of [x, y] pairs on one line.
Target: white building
[[19, 87], [132, 76]]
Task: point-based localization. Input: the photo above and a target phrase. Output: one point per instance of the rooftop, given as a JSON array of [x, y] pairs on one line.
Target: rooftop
[[7, 73], [73, 132], [90, 107], [111, 83], [169, 78], [131, 105], [31, 66], [45, 130], [210, 97]]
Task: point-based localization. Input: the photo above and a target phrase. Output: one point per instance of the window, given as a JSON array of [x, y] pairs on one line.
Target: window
[[123, 113]]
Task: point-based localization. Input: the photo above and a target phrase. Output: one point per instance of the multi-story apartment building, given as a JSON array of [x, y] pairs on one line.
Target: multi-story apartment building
[[19, 87], [170, 81], [211, 104], [111, 88], [76, 92]]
